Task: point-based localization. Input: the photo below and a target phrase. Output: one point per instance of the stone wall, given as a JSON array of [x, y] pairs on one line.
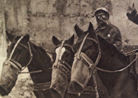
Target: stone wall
[[44, 18], [3, 41]]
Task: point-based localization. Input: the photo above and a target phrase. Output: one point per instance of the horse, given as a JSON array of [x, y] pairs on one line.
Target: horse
[[64, 54], [97, 62], [61, 67], [22, 53]]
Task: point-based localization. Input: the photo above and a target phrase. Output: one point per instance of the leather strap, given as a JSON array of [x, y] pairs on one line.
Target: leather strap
[[41, 86]]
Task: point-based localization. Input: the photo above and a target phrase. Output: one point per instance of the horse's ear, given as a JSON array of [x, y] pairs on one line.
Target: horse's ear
[[91, 30], [55, 41], [79, 32], [10, 36], [133, 5], [71, 40], [26, 38]]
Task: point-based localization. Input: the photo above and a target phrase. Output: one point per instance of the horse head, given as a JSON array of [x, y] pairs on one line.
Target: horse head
[[86, 47], [63, 59], [21, 54], [18, 49]]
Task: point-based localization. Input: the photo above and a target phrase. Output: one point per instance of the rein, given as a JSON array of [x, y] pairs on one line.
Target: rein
[[18, 65], [127, 53], [120, 70], [92, 66], [90, 62]]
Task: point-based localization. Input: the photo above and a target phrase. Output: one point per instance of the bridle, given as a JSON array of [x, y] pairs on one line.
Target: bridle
[[93, 65], [16, 64], [67, 68], [83, 56]]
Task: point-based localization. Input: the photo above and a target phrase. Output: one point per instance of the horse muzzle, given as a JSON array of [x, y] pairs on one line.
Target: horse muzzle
[[59, 82], [80, 75], [8, 79]]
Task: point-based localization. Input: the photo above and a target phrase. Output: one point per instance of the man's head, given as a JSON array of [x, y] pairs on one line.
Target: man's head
[[102, 16]]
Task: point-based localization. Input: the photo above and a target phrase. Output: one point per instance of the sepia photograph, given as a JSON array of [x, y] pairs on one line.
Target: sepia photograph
[[68, 48]]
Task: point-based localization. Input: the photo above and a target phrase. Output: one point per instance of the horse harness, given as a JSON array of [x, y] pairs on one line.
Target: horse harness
[[18, 66], [93, 65], [67, 68]]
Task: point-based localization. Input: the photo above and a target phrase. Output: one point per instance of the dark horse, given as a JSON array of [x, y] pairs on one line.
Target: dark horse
[[21, 54], [98, 60], [63, 59]]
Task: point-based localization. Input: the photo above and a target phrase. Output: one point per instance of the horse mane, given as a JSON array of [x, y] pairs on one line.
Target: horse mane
[[39, 48], [41, 51], [112, 50]]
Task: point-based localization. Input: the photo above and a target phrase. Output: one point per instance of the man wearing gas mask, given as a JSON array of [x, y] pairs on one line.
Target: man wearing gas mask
[[107, 30]]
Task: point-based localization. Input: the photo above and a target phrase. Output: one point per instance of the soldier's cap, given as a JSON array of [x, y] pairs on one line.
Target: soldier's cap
[[103, 9]]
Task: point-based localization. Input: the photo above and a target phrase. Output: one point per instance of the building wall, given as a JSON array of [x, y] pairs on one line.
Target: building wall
[[3, 41], [44, 18]]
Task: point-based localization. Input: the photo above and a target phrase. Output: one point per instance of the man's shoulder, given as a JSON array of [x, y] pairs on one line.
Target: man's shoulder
[[109, 28], [113, 27]]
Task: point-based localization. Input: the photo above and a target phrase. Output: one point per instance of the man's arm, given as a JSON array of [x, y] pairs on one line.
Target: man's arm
[[132, 14]]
